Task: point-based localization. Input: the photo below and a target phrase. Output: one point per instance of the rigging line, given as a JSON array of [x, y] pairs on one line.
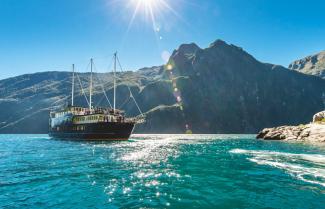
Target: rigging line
[[21, 119], [85, 70], [127, 99], [83, 61], [131, 94], [82, 89], [99, 101], [102, 85]]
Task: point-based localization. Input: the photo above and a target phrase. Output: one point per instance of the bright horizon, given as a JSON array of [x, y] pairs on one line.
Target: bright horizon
[[44, 35]]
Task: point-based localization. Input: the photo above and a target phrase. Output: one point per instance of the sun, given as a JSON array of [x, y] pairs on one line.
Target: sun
[[146, 5], [148, 8], [151, 10]]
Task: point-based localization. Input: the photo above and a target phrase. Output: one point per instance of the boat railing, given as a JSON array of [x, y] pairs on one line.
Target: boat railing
[[138, 119]]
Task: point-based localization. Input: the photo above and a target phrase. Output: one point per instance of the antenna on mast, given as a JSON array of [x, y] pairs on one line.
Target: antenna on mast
[[72, 90], [91, 84], [114, 75]]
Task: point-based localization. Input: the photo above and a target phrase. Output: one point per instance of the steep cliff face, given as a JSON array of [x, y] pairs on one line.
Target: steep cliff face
[[226, 90], [220, 89], [312, 65]]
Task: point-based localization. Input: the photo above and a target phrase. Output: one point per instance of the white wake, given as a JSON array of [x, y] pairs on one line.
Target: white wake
[[293, 164]]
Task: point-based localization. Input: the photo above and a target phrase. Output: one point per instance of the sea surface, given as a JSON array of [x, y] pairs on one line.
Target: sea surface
[[161, 171]]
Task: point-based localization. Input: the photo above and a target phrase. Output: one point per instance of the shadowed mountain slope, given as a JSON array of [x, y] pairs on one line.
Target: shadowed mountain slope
[[220, 89]]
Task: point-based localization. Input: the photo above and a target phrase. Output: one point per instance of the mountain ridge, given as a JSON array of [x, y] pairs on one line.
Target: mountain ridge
[[219, 89], [311, 65]]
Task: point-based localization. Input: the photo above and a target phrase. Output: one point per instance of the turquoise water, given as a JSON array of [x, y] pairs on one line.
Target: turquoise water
[[160, 171]]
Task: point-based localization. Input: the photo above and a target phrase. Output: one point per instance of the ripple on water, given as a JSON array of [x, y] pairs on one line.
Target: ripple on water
[[159, 171]]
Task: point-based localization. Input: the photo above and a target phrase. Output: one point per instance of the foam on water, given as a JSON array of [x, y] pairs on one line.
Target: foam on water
[[159, 171], [39, 137], [293, 164]]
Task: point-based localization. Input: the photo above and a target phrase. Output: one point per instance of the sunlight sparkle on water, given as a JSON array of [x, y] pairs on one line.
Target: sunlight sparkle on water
[[159, 171]]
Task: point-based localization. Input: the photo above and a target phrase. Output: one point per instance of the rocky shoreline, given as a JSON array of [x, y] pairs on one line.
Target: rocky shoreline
[[313, 132]]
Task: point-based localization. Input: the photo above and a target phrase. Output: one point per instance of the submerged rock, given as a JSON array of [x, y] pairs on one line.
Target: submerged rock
[[313, 132]]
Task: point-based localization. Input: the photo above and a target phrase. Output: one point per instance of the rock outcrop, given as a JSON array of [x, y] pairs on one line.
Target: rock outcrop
[[313, 132], [319, 117], [312, 65]]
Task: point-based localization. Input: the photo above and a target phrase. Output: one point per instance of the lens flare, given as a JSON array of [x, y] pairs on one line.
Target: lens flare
[[146, 4], [169, 67], [154, 11]]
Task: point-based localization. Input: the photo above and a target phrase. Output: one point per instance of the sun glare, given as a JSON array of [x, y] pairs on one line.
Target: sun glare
[[152, 10], [160, 16], [146, 5]]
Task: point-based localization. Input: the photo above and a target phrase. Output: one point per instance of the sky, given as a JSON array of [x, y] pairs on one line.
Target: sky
[[47, 35]]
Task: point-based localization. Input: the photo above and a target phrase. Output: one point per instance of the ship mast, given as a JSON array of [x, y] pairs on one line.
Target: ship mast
[[114, 75], [91, 84], [72, 90]]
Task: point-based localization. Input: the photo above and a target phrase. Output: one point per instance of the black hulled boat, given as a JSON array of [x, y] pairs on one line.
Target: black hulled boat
[[92, 123]]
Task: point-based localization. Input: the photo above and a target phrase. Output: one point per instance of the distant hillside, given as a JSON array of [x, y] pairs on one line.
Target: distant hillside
[[220, 89], [312, 65]]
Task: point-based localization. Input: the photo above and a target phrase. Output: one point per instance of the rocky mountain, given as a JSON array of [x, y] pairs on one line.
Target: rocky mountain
[[312, 65], [219, 89]]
